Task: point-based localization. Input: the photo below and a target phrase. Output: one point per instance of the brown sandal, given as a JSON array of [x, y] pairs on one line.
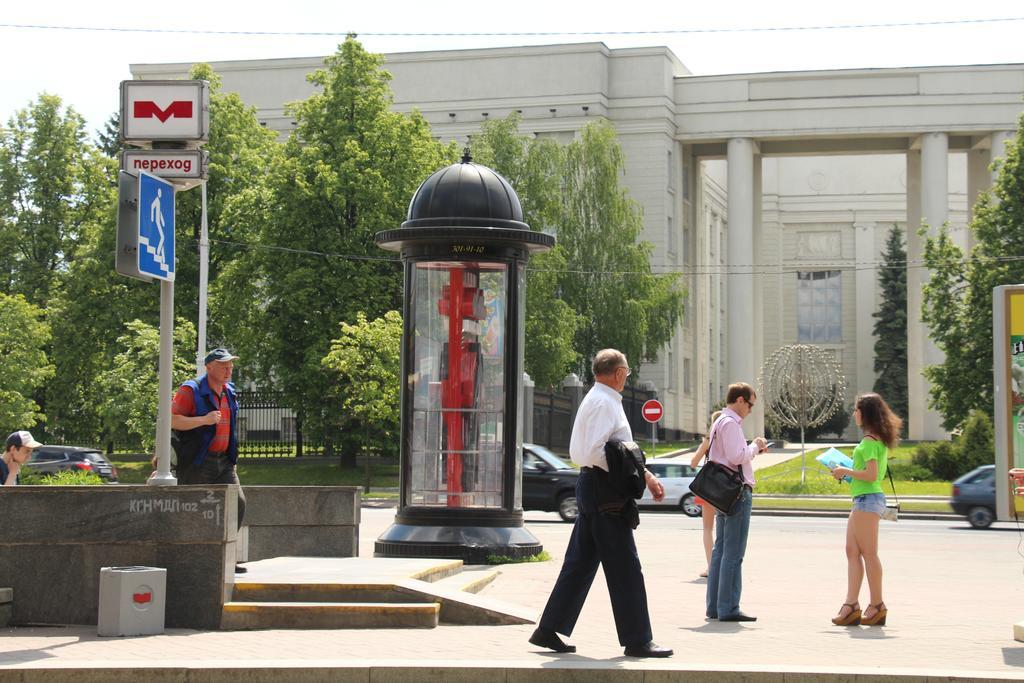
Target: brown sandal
[[851, 619], [878, 618]]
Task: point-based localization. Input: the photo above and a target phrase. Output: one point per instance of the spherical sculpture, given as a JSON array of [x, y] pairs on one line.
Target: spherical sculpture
[[803, 387]]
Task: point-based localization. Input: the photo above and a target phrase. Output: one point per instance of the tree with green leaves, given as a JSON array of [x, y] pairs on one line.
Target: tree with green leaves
[[51, 185], [242, 155], [109, 137], [596, 286], [57, 195], [347, 172], [533, 166], [957, 301], [95, 303], [24, 367], [130, 388], [364, 365], [608, 280], [891, 325]]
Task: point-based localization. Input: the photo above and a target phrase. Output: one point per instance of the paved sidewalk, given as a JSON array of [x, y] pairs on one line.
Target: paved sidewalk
[[954, 595]]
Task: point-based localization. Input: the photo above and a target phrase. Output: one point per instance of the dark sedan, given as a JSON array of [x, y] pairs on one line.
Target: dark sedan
[[974, 495], [52, 459], [549, 483]]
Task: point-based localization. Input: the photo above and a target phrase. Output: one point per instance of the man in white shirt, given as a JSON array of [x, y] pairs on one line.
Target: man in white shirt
[[600, 538]]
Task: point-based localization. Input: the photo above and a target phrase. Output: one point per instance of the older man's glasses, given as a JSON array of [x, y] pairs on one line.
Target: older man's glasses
[[623, 367]]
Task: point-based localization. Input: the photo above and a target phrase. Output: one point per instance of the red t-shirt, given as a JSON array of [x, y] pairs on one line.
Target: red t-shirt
[[184, 404]]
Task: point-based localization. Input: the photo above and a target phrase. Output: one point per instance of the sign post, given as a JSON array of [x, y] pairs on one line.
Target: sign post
[[653, 411], [166, 122]]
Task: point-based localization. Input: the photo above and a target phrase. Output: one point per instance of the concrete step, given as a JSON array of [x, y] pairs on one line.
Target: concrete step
[[246, 616], [471, 579], [461, 607], [250, 591]]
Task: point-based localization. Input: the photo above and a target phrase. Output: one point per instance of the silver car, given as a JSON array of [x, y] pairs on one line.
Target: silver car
[[675, 476]]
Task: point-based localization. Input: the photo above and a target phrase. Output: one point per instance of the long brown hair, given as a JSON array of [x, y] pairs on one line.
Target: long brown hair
[[877, 419]]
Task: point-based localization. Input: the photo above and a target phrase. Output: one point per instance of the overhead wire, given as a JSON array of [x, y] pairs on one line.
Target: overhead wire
[[709, 269], [517, 34]]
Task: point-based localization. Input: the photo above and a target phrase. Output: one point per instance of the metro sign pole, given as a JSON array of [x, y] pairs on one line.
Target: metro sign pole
[[166, 122]]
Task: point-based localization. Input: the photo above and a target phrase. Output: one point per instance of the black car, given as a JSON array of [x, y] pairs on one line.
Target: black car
[[52, 459], [549, 483], [974, 495]]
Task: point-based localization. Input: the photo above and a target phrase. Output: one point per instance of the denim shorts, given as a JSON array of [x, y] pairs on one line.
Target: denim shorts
[[870, 502]]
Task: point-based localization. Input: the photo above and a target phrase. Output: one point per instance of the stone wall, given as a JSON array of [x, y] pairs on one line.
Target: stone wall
[[302, 521], [55, 539]]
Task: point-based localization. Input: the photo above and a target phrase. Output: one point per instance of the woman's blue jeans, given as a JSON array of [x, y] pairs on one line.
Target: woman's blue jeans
[[725, 575]]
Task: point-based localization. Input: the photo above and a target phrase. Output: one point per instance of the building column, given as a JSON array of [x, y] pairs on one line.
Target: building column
[[980, 174], [741, 331], [927, 203], [865, 283], [718, 288], [755, 422]]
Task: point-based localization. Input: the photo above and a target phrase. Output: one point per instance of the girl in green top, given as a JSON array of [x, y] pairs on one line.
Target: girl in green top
[[881, 429]]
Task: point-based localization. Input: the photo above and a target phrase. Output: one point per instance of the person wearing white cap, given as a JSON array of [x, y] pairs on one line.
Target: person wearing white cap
[[19, 449]]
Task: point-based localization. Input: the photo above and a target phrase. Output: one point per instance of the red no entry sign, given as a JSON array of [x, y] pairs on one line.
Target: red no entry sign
[[652, 410]]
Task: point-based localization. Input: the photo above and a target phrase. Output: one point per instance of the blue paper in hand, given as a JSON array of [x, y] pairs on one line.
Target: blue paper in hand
[[833, 458]]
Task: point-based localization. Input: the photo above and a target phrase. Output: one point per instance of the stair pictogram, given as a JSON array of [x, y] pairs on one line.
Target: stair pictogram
[[151, 250]]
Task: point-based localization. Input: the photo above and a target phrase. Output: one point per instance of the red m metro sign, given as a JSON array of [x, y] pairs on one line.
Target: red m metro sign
[[144, 109], [165, 111]]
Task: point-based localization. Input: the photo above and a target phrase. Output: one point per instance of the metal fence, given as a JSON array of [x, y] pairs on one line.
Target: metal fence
[[552, 420], [267, 428], [554, 412]]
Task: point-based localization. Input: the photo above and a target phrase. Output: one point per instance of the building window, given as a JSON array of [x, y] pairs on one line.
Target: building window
[[686, 245], [686, 376], [819, 306], [671, 173], [672, 247], [686, 180]]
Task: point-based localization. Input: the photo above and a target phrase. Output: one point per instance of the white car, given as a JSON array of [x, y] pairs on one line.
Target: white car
[[675, 476]]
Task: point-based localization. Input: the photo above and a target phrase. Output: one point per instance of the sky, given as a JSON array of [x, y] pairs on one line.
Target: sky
[[85, 67]]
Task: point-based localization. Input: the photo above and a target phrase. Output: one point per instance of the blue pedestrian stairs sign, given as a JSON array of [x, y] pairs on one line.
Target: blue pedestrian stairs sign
[[156, 227]]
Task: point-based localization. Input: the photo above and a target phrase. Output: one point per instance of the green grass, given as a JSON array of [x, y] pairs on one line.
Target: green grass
[[664, 447], [785, 477], [304, 472], [542, 556]]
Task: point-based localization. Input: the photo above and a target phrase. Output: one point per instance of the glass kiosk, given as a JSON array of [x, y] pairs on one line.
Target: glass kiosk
[[464, 249]]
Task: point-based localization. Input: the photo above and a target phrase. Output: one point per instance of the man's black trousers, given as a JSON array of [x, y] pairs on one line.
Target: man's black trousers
[[606, 540]]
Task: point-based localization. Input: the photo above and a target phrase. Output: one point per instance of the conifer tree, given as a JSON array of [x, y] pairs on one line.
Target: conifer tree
[[891, 326]]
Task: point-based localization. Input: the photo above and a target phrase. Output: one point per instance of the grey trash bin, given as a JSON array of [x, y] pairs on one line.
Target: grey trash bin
[[132, 601]]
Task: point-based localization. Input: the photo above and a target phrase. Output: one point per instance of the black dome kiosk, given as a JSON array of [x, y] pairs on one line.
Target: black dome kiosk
[[464, 249]]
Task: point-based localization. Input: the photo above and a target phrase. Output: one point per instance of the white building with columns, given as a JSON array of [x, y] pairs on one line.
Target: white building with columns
[[772, 192]]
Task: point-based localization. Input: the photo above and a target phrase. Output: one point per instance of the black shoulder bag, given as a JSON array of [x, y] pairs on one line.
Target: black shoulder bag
[[717, 484]]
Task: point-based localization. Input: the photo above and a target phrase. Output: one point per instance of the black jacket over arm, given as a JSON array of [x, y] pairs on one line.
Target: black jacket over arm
[[618, 489]]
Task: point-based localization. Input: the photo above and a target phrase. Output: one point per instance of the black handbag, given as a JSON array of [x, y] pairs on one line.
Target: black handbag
[[717, 484]]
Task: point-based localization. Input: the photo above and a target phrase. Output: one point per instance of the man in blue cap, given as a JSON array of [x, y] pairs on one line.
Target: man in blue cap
[[204, 417]]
